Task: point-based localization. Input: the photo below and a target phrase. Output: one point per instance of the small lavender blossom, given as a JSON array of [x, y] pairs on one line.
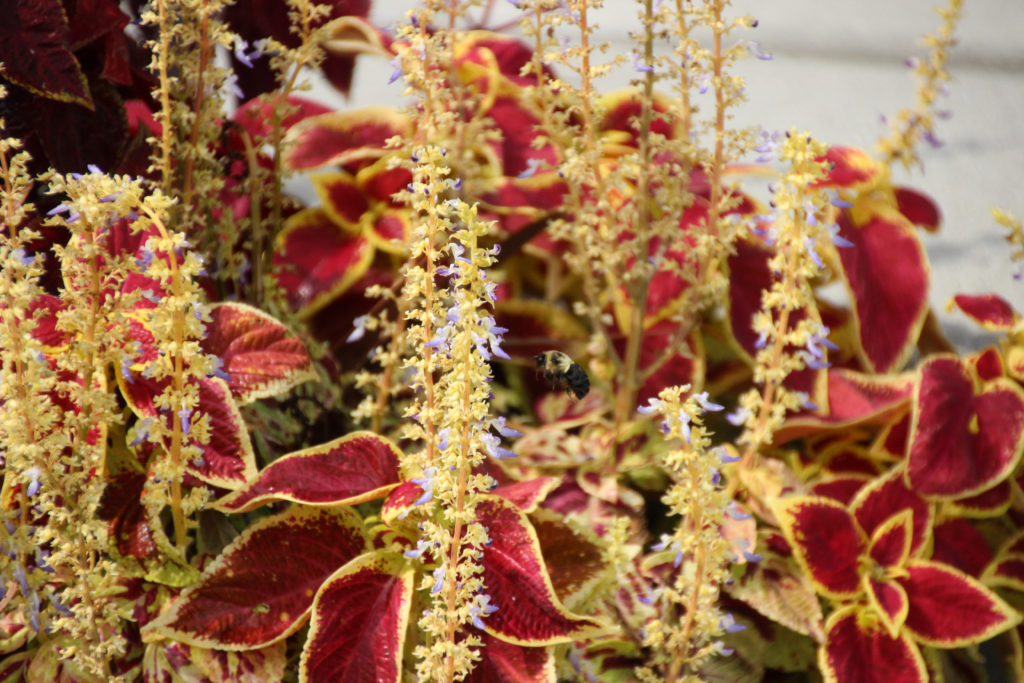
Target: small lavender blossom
[[837, 239], [218, 370], [738, 417], [397, 73], [480, 607], [754, 47], [654, 405], [184, 416], [835, 200], [498, 424], [729, 625], [768, 149], [703, 83], [60, 208], [33, 486], [492, 446], [360, 329], [421, 546], [639, 65], [532, 166], [426, 483], [705, 404], [443, 433], [809, 243], [24, 258], [438, 575], [142, 428]]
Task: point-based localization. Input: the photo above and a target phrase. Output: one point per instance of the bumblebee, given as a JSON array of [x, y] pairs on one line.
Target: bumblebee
[[563, 373]]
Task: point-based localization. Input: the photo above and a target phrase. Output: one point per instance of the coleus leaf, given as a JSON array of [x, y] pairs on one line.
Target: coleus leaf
[[859, 650], [918, 208], [826, 542], [854, 398], [887, 275], [529, 612], [360, 615], [351, 469], [260, 356], [528, 494], [962, 442], [502, 662], [887, 496], [573, 556], [959, 544], [316, 260], [227, 460], [991, 311], [35, 53], [261, 587], [774, 589], [343, 138], [1007, 569], [950, 609]]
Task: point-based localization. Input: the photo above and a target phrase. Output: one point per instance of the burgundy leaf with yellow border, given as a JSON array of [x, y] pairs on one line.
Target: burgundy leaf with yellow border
[[351, 469], [259, 355], [859, 650], [360, 615], [529, 613], [261, 587], [962, 442]]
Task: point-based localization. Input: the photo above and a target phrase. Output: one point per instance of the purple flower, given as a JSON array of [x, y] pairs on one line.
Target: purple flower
[[438, 575], [397, 73], [33, 485], [492, 446], [532, 166], [184, 416], [639, 65], [360, 329], [482, 606], [142, 428]]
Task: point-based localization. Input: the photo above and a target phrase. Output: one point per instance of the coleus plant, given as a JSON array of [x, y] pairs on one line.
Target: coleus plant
[[872, 533]]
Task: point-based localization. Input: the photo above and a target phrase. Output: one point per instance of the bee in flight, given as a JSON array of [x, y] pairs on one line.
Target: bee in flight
[[563, 373]]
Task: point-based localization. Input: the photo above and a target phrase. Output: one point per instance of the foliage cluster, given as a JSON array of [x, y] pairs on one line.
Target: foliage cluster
[[245, 439]]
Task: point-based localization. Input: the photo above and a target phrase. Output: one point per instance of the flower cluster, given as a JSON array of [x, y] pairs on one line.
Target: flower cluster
[[696, 556]]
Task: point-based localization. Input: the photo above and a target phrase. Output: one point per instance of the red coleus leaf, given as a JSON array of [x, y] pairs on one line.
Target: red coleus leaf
[[529, 613], [854, 398], [35, 52], [256, 116], [519, 128], [886, 272], [352, 469], [573, 556], [859, 650], [261, 587], [228, 460], [260, 356], [342, 197], [317, 261], [918, 208], [825, 540], [888, 496], [987, 364], [495, 52], [991, 503], [359, 619], [502, 662], [851, 168], [889, 600], [341, 138], [890, 544], [1007, 569], [842, 489], [991, 311], [959, 544], [962, 442], [399, 501], [121, 506], [950, 609], [527, 495]]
